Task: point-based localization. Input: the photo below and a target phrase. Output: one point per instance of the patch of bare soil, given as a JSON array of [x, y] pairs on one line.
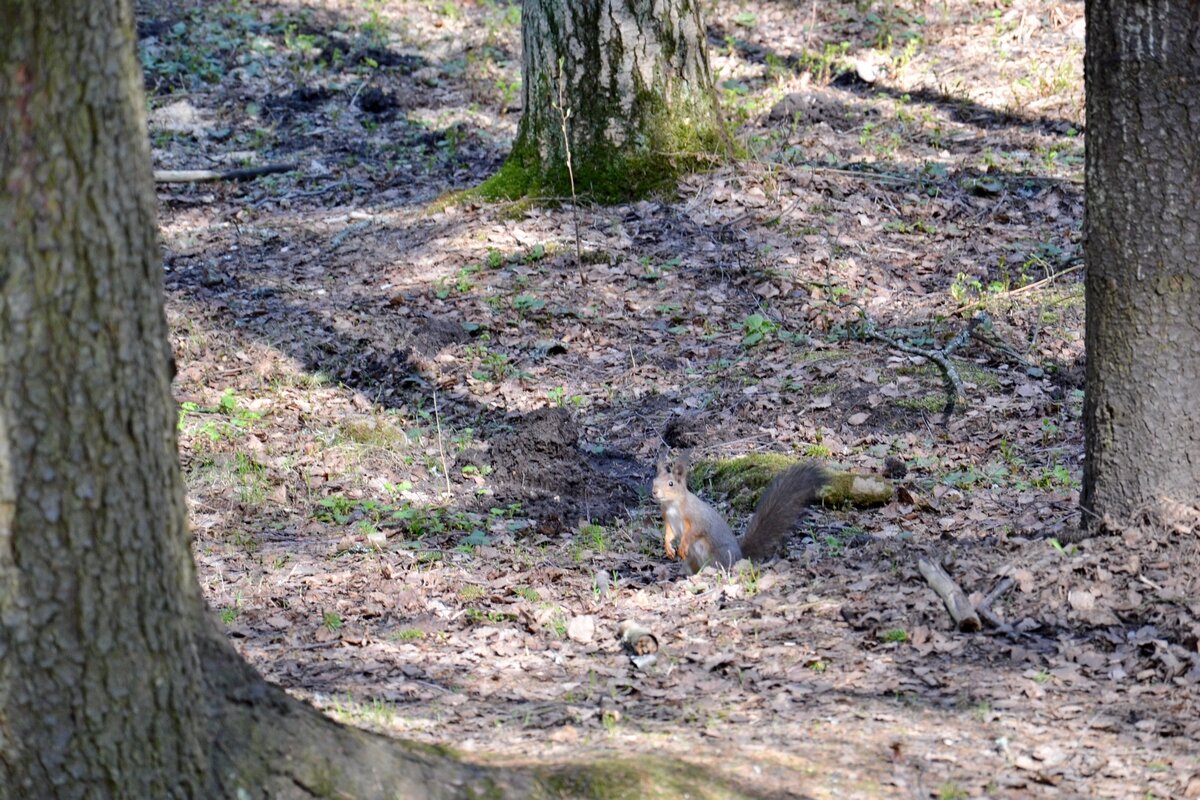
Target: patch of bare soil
[[418, 435]]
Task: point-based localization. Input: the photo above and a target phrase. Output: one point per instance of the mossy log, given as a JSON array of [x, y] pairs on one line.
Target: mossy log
[[743, 479]]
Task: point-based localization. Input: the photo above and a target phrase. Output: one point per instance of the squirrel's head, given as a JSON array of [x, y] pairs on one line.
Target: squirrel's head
[[671, 480]]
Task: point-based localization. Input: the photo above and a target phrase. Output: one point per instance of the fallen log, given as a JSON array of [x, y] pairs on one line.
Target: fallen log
[[207, 175]]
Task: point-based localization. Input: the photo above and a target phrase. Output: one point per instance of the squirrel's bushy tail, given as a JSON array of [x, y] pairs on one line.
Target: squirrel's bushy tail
[[782, 501]]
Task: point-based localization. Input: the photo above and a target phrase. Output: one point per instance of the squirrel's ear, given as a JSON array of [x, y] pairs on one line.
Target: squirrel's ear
[[661, 465], [681, 464]]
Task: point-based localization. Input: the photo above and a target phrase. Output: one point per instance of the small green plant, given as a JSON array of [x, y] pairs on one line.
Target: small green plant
[[750, 578], [227, 419], [745, 19], [408, 635], [897, 635], [471, 592], [496, 366], [965, 288], [527, 593], [951, 791], [594, 537], [332, 620], [1057, 475], [229, 615], [1042, 676], [241, 539], [252, 481], [525, 303], [757, 329], [375, 29], [337, 509], [1068, 550], [837, 541]]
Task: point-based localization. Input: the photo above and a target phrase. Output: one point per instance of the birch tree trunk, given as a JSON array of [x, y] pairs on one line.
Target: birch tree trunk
[[629, 81], [113, 680], [1141, 413]]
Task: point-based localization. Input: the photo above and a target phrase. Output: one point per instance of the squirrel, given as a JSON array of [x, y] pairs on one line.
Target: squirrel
[[698, 535]]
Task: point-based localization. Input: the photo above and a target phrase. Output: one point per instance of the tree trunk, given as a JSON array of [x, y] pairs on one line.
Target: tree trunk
[[1141, 414], [99, 676], [629, 80], [113, 680]]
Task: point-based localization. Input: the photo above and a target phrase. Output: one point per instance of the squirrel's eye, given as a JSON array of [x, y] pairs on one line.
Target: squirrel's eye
[[670, 483]]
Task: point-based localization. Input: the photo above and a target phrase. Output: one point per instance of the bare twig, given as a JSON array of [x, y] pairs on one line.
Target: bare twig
[[564, 114], [207, 175], [347, 232], [995, 594], [437, 416]]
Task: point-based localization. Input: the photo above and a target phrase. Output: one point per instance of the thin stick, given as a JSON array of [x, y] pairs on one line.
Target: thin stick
[[1029, 287], [206, 175], [995, 594], [441, 448], [564, 114], [346, 233]]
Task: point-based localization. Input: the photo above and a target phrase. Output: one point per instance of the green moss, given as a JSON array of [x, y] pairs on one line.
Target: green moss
[[972, 373], [931, 403], [859, 491], [647, 779], [675, 139], [515, 180], [741, 479]]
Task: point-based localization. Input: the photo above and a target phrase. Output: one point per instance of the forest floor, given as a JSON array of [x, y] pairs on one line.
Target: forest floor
[[418, 433]]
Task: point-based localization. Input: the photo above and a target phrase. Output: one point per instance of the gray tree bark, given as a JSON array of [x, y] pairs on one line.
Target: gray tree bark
[[113, 680], [630, 82], [1142, 229]]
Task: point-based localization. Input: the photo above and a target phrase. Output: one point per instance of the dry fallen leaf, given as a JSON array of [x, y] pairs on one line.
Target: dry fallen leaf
[[581, 629]]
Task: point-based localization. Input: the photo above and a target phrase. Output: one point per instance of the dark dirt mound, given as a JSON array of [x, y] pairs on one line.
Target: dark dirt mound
[[377, 101], [303, 98], [404, 63], [539, 465]]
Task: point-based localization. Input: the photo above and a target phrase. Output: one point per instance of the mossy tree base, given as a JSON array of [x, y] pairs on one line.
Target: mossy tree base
[[631, 78]]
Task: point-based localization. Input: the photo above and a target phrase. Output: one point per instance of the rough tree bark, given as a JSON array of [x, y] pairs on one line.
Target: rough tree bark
[[113, 680], [1141, 413], [633, 81]]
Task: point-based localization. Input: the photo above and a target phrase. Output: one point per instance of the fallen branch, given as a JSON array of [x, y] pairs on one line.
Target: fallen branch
[[955, 391], [207, 175], [983, 609], [954, 597]]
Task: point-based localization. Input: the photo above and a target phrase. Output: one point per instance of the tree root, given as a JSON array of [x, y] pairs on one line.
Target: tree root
[[264, 743]]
